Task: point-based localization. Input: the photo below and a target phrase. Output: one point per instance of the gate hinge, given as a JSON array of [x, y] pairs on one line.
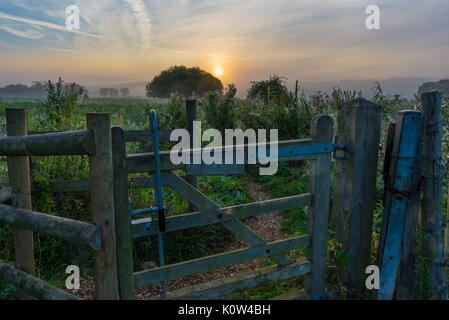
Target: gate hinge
[[337, 147]]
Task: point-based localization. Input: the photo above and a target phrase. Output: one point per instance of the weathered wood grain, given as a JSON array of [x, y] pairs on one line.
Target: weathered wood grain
[[432, 202], [288, 151], [19, 180], [70, 230], [319, 186], [102, 201], [49, 144], [32, 285], [240, 282], [213, 216], [408, 268], [403, 182], [202, 202], [218, 261], [354, 190], [122, 217]]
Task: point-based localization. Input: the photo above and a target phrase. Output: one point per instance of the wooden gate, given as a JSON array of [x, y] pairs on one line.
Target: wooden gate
[[318, 149]]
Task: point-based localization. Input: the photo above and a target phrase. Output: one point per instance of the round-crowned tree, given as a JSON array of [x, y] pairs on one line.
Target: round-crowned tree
[[184, 81]]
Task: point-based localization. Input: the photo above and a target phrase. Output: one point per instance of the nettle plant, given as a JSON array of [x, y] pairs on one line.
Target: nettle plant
[[60, 111]]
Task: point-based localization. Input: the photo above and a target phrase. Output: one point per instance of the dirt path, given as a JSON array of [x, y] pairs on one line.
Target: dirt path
[[267, 226]]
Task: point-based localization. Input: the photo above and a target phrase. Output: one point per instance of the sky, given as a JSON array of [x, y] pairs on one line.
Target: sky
[[309, 40]]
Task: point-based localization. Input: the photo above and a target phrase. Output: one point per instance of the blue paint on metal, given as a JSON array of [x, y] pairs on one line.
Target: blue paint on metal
[[160, 208], [343, 148], [285, 152], [303, 150], [158, 191]]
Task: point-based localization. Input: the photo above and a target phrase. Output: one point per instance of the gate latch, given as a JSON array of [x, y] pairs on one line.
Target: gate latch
[[343, 148]]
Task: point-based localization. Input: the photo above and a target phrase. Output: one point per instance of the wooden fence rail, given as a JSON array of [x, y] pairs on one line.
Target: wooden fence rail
[[218, 261], [32, 285], [287, 151], [66, 229], [95, 142], [318, 149], [220, 215], [49, 144]]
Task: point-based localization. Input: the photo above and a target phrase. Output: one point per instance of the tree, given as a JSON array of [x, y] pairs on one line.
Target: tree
[[124, 92], [113, 93], [104, 92], [271, 90], [183, 80]]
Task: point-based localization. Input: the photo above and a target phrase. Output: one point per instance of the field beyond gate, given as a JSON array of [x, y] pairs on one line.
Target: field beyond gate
[[318, 149]]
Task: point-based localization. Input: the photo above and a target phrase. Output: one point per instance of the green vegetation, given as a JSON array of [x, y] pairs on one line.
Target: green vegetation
[[290, 112]]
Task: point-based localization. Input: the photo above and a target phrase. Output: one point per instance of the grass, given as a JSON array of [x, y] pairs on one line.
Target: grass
[[296, 111]]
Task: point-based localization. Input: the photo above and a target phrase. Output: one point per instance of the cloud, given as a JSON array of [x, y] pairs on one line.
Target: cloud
[[143, 20], [45, 24], [29, 34]]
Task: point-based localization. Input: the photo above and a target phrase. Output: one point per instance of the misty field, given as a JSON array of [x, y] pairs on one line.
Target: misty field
[[291, 113]]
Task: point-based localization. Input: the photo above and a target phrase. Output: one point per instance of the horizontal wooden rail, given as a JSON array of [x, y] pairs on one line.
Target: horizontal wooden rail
[[219, 215], [145, 136], [287, 150], [32, 285], [5, 194], [74, 231], [218, 261], [49, 144], [240, 282]]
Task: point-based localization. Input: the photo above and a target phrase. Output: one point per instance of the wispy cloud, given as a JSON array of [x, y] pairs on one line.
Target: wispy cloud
[[45, 24], [143, 20], [29, 34]]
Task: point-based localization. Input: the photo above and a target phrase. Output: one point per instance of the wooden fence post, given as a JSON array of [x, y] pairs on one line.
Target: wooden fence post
[[102, 199], [122, 217], [19, 179], [354, 190], [318, 214], [431, 213], [398, 244], [190, 117]]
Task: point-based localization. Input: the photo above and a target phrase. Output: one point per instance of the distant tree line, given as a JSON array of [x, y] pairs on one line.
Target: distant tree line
[[114, 93], [36, 90]]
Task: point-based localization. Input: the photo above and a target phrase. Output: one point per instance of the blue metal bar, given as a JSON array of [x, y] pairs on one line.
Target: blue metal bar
[[158, 191]]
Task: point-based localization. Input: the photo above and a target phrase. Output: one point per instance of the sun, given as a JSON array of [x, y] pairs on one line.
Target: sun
[[218, 71]]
